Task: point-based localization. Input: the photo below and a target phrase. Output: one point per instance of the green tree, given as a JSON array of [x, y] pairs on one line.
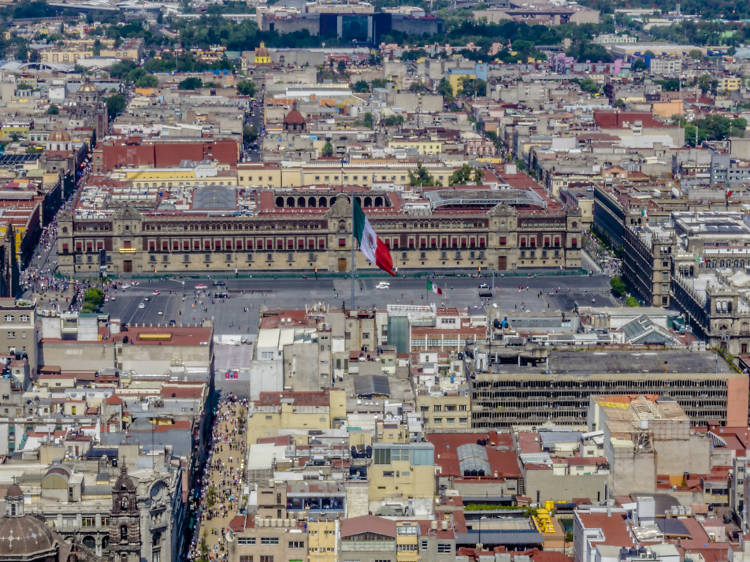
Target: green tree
[[341, 67], [93, 298], [368, 120], [327, 151], [473, 87], [191, 83], [478, 176], [444, 89], [461, 176], [708, 84], [116, 104], [618, 286], [669, 84], [249, 134], [53, 110], [639, 65], [379, 83], [361, 87], [588, 85], [97, 47], [631, 301], [147, 81], [246, 88], [393, 121], [738, 127], [421, 177]]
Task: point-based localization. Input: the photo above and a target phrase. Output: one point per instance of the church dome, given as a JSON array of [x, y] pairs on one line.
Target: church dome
[[22, 536], [59, 135]]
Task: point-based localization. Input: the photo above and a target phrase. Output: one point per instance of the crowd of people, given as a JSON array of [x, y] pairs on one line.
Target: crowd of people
[[220, 494]]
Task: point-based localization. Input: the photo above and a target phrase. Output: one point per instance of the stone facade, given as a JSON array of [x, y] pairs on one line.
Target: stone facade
[[312, 239]]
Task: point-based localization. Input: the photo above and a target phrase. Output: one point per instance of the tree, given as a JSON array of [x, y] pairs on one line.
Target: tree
[[341, 67], [444, 89], [147, 81], [327, 151], [379, 83], [461, 176], [93, 298], [421, 177], [361, 87], [191, 83], [246, 88], [708, 84], [639, 65], [473, 87], [631, 301], [618, 286], [53, 110], [478, 176], [669, 84], [588, 85], [393, 120], [249, 134], [368, 120], [116, 104], [97, 47], [738, 127]]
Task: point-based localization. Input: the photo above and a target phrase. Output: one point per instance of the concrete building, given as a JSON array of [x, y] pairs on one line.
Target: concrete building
[[701, 383], [645, 436], [18, 330]]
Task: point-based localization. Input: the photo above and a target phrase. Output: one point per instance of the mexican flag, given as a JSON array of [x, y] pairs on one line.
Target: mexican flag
[[372, 247], [434, 288]]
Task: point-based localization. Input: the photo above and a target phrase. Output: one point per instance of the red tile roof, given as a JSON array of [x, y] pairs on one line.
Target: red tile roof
[[368, 524], [614, 527], [620, 119], [113, 400], [502, 456]]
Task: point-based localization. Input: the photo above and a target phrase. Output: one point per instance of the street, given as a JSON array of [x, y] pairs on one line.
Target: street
[[239, 312]]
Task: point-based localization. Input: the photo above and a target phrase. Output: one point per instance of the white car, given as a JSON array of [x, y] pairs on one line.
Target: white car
[[160, 313], [141, 305], [383, 285]]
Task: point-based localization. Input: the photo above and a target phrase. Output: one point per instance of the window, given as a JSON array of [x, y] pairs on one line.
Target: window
[[266, 558], [246, 540], [9, 318], [269, 540], [246, 558], [123, 532], [444, 547], [296, 544]]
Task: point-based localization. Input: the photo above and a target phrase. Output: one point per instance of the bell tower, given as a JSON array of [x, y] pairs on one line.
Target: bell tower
[[124, 523]]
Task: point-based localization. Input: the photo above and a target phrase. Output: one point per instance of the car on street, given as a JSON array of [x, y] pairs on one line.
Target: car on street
[[201, 287], [141, 305], [383, 285]]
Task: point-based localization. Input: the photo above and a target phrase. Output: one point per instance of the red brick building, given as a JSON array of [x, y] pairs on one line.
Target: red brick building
[[136, 151]]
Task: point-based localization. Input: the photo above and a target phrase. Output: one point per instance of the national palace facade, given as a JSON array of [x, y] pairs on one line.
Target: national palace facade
[[310, 230]]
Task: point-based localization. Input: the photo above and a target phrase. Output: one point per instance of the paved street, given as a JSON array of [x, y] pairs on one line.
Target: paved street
[[238, 313], [223, 481]]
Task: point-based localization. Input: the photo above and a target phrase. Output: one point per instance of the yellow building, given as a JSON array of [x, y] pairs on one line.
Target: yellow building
[[274, 411], [407, 541], [322, 543], [20, 129], [406, 470], [443, 412], [456, 81], [262, 55], [730, 83], [364, 173], [424, 147], [178, 177]]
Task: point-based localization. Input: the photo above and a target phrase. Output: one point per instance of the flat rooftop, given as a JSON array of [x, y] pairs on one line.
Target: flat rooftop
[[626, 361]]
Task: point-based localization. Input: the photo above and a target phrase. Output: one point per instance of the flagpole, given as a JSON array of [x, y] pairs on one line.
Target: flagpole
[[354, 267]]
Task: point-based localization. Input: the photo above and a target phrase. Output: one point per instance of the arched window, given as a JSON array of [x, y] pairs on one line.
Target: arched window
[[123, 532], [124, 503]]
